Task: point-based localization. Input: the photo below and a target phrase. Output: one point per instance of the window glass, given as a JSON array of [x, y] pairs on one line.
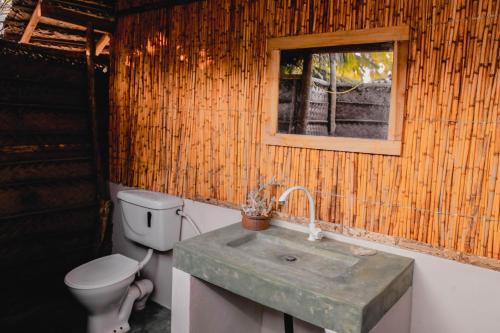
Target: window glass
[[340, 92]]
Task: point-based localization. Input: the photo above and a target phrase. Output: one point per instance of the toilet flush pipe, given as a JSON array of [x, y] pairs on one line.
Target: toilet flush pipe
[[139, 291], [146, 259]]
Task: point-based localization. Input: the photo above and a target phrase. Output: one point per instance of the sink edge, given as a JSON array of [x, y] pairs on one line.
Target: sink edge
[[322, 311], [206, 257]]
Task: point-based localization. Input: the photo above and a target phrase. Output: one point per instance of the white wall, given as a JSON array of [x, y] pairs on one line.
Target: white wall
[[448, 297], [159, 269]]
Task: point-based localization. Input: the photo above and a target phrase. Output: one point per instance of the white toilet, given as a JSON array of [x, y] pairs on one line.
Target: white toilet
[[106, 286]]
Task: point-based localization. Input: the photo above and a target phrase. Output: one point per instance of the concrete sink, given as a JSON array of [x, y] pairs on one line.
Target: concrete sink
[[327, 283], [300, 260]]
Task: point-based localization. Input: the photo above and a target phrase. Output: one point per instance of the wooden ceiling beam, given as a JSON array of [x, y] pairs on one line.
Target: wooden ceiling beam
[[59, 13], [101, 43], [57, 42], [32, 23]]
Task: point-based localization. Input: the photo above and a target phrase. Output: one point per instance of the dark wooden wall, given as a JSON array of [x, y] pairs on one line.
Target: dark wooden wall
[[48, 208]]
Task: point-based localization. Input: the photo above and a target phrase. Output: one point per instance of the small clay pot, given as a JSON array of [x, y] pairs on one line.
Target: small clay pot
[[255, 223]]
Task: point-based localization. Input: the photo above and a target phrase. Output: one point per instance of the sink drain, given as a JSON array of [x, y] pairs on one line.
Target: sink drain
[[289, 258]]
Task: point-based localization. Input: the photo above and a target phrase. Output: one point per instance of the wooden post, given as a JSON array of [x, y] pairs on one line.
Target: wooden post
[[332, 96], [294, 106], [89, 54], [305, 94], [102, 188]]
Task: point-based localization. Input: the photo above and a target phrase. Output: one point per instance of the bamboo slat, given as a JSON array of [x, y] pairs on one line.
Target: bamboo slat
[[187, 87]]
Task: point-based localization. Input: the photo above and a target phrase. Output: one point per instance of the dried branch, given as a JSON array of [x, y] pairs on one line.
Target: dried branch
[[260, 203], [5, 6]]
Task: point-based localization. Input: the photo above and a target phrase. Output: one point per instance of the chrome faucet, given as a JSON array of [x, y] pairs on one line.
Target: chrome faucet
[[315, 233]]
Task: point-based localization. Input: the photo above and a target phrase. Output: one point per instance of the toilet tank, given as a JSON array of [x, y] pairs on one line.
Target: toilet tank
[[149, 218]]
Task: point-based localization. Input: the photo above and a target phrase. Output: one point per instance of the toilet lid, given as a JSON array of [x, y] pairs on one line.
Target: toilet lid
[[101, 272]]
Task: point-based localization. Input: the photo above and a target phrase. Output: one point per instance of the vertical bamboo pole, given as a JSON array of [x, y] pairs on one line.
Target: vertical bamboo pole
[[305, 94], [102, 189]]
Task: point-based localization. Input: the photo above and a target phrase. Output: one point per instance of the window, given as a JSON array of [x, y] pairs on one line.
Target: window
[[338, 91]]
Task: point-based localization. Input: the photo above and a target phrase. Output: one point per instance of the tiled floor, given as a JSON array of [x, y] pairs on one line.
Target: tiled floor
[[64, 315], [153, 319], [70, 318]]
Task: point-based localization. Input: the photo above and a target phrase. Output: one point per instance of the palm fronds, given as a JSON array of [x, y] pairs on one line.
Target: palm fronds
[[5, 6]]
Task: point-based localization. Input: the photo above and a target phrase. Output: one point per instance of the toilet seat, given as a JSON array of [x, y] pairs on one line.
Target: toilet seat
[[102, 272]]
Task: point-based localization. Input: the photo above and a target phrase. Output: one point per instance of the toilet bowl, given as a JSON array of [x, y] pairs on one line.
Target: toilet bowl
[[105, 286], [106, 289]]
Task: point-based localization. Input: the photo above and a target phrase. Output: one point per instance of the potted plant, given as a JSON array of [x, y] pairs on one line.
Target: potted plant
[[257, 210]]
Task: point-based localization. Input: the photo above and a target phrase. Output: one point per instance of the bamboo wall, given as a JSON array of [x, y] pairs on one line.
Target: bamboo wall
[[187, 110]]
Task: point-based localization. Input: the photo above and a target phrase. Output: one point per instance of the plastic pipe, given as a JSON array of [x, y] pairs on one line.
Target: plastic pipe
[[190, 220], [146, 259], [139, 290], [146, 288]]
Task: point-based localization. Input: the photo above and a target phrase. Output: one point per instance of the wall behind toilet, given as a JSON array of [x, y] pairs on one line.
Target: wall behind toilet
[[159, 269]]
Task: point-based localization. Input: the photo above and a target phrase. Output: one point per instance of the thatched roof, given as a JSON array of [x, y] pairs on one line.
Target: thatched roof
[[62, 24]]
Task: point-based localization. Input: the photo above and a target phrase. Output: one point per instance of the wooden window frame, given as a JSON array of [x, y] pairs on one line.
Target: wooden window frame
[[399, 35]]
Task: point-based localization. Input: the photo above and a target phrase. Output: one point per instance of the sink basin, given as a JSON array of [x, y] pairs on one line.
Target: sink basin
[[299, 260], [326, 283]]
